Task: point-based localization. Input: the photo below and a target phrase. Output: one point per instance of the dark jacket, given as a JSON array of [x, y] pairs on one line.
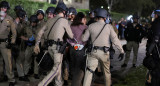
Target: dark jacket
[[132, 33], [153, 47], [154, 38], [92, 20]]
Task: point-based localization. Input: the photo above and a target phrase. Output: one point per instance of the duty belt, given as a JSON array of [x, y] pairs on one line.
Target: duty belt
[[51, 42], [3, 40], [99, 48], [105, 49]]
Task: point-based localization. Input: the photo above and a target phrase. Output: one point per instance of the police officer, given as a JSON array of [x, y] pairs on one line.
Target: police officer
[[50, 12], [17, 51], [54, 31], [92, 15], [101, 46], [153, 49], [40, 15], [7, 27], [133, 35], [29, 38]]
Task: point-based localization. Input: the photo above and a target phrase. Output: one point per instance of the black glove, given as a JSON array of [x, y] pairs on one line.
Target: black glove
[[10, 45], [120, 57], [148, 54]]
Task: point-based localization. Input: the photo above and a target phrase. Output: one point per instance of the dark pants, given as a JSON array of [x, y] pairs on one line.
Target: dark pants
[[78, 64]]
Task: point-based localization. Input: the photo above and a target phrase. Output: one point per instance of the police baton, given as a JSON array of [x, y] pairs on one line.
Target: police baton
[[158, 50], [42, 57]]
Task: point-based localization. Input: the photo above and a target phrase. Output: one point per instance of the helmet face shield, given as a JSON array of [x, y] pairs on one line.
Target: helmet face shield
[[153, 14]]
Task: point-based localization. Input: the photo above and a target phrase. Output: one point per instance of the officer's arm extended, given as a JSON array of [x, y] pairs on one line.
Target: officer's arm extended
[[13, 30], [68, 29], [39, 35], [115, 40]]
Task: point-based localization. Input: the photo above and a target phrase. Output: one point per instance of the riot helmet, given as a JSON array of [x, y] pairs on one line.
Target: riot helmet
[[135, 16], [72, 11], [18, 8], [156, 11], [50, 10], [21, 14], [61, 7], [33, 18], [91, 14], [4, 4], [100, 12], [40, 11], [95, 11]]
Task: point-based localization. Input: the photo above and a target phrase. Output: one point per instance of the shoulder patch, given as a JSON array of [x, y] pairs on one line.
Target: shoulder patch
[[8, 21]]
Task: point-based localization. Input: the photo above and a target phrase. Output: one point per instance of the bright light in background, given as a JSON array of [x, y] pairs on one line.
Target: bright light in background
[[108, 7], [101, 6], [129, 17]]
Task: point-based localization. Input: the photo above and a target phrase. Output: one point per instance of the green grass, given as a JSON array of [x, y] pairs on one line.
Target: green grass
[[136, 77]]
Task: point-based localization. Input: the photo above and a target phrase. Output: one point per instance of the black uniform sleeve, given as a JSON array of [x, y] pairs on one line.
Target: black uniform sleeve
[[155, 40]]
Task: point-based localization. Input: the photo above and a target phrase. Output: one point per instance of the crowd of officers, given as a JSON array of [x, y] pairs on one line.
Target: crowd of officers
[[65, 36], [23, 39]]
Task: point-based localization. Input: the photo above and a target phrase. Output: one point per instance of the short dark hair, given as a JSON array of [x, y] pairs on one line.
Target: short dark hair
[[99, 17], [77, 20]]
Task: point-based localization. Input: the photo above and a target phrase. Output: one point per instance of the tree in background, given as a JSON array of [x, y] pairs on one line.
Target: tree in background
[[111, 3], [97, 4], [132, 6]]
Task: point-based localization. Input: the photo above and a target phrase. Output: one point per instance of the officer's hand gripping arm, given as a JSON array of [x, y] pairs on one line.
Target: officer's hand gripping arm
[[13, 30], [68, 29], [36, 49], [40, 33]]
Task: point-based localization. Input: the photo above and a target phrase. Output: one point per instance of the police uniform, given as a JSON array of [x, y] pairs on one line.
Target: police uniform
[[6, 26], [30, 33], [57, 32], [98, 55], [20, 53]]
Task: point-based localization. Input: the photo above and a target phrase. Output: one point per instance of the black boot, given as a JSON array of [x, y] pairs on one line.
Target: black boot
[[124, 65], [24, 78], [134, 65], [65, 82], [36, 76], [11, 83]]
